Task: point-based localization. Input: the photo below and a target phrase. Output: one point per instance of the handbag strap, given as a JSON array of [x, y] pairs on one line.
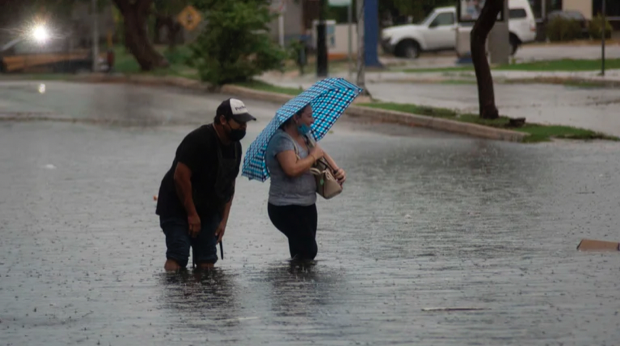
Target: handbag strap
[[310, 143], [315, 171]]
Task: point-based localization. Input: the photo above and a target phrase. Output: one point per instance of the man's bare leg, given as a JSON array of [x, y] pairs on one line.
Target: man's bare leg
[[205, 266], [171, 265]]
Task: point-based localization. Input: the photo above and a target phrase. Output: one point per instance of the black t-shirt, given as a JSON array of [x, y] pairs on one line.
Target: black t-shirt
[[199, 152]]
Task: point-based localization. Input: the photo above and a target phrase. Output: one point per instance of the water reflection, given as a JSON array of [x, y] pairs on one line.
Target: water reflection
[[299, 289], [201, 299]]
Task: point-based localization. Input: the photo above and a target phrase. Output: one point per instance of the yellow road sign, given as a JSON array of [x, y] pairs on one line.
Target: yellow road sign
[[189, 18]]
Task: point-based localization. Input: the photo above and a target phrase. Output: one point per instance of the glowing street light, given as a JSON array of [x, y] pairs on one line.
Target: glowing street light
[[40, 34]]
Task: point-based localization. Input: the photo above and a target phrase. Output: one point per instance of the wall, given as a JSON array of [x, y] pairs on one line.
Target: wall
[[293, 23], [83, 25], [342, 40], [583, 6]]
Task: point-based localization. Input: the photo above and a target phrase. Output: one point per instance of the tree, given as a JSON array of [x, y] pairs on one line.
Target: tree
[[135, 14], [479, 34], [235, 45]]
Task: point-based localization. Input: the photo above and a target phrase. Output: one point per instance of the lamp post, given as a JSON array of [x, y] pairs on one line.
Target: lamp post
[[360, 45], [95, 36], [604, 29], [321, 49]]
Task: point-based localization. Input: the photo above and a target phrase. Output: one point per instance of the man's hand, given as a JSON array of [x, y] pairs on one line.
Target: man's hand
[[194, 225], [219, 232]]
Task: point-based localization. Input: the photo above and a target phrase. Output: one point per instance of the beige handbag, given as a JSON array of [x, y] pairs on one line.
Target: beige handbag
[[326, 183]]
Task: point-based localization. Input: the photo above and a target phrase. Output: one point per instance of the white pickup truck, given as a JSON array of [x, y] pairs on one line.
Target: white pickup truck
[[438, 31]]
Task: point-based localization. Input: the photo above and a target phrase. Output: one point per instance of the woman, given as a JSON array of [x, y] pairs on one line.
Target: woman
[[292, 194]]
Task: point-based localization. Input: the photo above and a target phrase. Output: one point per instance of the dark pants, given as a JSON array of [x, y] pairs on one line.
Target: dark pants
[[179, 242], [299, 225]]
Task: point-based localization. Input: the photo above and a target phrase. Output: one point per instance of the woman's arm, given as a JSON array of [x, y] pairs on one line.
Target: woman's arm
[[339, 173], [331, 162], [293, 167]]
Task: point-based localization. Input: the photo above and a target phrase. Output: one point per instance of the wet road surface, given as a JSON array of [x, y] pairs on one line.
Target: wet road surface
[[426, 220]]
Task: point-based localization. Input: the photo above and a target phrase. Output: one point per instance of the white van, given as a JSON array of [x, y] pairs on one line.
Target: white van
[[438, 31]]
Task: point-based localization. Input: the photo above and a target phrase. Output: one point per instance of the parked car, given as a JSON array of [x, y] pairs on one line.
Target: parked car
[[438, 31], [572, 15]]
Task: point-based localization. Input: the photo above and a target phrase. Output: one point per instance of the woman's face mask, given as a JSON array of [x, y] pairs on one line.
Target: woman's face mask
[[303, 129], [304, 122]]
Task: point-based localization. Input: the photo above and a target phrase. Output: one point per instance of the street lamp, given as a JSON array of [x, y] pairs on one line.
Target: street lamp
[[40, 34]]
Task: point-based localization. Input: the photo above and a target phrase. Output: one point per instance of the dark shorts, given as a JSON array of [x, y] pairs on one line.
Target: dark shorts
[[178, 241]]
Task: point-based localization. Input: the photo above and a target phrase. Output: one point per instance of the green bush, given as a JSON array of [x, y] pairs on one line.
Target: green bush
[[596, 28], [235, 45], [562, 29], [178, 55]]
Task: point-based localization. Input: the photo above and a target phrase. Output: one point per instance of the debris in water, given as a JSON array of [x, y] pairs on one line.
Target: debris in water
[[452, 309], [597, 245]]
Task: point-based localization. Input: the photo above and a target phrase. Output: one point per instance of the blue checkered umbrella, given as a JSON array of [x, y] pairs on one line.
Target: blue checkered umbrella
[[329, 98]]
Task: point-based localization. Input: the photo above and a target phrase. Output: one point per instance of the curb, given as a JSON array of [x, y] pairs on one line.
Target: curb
[[255, 94], [434, 123], [145, 80], [388, 116], [375, 114], [52, 117]]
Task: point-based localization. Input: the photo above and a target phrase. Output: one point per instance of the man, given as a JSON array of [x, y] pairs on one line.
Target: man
[[196, 194]]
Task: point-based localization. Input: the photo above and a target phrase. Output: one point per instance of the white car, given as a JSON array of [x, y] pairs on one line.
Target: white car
[[438, 31]]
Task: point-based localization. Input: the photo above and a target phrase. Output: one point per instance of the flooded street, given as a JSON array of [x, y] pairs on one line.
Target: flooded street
[[427, 220]]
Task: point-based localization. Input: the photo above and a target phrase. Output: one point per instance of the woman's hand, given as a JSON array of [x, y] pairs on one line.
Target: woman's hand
[[317, 152], [341, 175]]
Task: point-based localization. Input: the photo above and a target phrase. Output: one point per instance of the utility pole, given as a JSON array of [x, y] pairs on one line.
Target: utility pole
[[604, 29], [350, 20], [361, 79], [95, 45], [321, 49]]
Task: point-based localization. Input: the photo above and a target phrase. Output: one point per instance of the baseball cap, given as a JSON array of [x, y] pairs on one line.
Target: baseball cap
[[234, 108]]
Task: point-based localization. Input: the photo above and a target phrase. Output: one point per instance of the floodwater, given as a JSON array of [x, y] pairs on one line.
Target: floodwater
[[426, 220]]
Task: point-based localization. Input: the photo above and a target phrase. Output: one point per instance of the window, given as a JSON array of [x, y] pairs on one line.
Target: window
[[443, 19], [517, 13]]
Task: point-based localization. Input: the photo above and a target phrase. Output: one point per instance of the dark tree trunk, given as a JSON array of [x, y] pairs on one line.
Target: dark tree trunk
[[479, 34], [136, 36]]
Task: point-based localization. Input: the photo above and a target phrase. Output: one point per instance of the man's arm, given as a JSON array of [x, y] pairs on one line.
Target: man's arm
[[183, 187], [219, 233]]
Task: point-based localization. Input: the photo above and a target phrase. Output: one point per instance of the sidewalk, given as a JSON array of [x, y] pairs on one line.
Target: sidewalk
[[590, 108]]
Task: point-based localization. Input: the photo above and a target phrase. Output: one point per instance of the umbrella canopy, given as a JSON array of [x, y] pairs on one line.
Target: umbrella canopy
[[329, 98]]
